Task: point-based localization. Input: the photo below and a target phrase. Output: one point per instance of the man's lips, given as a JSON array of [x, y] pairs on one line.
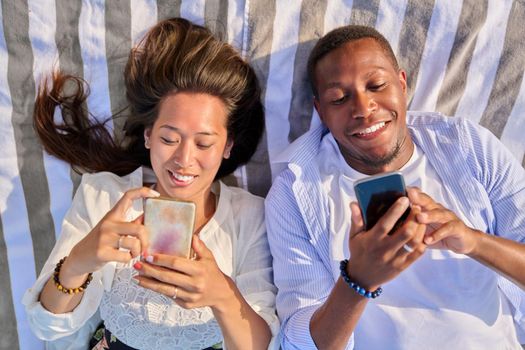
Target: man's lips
[[370, 131]]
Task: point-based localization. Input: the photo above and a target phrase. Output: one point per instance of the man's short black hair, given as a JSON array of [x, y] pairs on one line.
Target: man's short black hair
[[340, 36]]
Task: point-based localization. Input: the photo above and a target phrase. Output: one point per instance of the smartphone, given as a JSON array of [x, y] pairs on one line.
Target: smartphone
[[376, 194], [170, 225]]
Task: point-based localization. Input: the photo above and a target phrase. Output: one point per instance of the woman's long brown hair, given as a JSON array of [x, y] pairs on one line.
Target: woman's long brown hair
[[175, 55]]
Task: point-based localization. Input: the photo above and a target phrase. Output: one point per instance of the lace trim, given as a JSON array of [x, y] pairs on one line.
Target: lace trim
[[144, 319]]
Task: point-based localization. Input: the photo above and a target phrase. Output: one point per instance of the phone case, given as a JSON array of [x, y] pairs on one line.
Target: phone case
[[170, 225], [376, 194]]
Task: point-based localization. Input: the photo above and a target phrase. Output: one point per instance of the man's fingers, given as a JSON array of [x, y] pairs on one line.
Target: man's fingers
[[387, 222], [358, 224]]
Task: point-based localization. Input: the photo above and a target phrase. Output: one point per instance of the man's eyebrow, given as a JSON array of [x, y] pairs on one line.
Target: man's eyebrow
[[172, 128]]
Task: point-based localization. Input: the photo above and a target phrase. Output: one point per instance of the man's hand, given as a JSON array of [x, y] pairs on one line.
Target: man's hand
[[377, 257], [445, 229]]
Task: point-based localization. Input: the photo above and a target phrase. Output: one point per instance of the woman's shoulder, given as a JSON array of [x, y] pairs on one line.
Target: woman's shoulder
[[241, 199], [110, 182]]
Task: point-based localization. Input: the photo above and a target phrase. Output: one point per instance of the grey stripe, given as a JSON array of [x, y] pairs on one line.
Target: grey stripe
[[28, 149], [471, 20], [364, 12], [118, 44], [412, 39], [216, 17], [311, 28], [68, 46], [9, 338], [261, 16], [509, 74], [168, 9]]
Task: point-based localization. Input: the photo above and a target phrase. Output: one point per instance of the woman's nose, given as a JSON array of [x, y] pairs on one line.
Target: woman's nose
[[183, 156]]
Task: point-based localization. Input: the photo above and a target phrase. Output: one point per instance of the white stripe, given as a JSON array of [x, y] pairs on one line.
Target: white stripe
[[337, 14], [193, 10], [13, 209], [280, 75], [388, 24], [235, 25], [92, 37], [512, 135], [42, 28], [485, 61], [143, 16], [440, 39]]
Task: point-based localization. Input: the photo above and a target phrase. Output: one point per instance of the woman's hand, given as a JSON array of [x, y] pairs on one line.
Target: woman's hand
[[376, 256], [113, 232], [191, 283], [445, 229]]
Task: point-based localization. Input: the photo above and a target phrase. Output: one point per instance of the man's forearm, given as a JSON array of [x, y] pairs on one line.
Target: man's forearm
[[334, 322], [505, 256]]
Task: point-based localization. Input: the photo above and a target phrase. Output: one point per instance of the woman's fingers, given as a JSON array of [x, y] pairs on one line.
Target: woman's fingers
[[164, 275], [119, 211]]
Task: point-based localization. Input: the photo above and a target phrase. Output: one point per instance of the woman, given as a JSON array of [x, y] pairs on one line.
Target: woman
[[195, 115]]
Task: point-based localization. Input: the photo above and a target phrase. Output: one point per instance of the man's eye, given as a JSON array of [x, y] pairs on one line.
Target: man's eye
[[203, 146], [339, 100]]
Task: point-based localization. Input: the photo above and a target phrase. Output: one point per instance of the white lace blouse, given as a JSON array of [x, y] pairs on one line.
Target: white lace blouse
[[139, 317]]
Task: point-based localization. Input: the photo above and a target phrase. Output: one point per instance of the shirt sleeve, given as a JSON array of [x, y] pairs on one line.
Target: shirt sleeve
[[254, 262], [303, 281], [503, 177], [81, 322]]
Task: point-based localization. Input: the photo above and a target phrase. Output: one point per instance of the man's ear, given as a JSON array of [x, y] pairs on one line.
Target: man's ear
[[403, 80], [318, 108]]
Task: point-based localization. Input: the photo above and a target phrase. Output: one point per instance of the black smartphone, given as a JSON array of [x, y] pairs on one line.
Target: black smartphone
[[376, 194]]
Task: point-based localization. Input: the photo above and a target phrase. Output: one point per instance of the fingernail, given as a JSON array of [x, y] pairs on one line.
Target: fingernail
[[403, 200], [149, 258], [428, 240], [138, 265], [154, 193]]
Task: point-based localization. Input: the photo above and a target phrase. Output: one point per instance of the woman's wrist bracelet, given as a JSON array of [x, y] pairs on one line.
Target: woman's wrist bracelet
[[358, 289], [65, 290]]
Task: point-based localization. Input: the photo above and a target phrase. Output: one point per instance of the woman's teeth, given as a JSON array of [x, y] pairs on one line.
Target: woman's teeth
[[182, 177]]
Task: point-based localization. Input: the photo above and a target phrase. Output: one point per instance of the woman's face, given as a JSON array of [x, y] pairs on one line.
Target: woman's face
[[187, 143]]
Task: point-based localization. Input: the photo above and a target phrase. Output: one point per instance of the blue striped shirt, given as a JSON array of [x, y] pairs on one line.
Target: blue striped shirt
[[489, 183]]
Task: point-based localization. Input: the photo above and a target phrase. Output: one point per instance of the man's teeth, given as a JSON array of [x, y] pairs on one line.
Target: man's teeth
[[182, 177], [372, 128]]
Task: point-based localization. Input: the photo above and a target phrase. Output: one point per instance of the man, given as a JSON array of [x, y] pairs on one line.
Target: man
[[440, 271]]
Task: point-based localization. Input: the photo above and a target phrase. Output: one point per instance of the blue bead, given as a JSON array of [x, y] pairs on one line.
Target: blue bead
[[368, 294]]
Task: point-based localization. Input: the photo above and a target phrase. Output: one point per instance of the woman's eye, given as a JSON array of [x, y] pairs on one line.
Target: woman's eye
[[168, 141], [376, 87]]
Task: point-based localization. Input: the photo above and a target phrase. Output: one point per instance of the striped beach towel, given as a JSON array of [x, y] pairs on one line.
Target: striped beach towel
[[463, 58]]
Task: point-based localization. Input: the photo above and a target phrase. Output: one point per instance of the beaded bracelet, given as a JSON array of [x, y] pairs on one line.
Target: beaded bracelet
[[359, 290], [65, 290]]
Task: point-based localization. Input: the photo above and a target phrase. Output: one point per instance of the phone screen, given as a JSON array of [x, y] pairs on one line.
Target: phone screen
[[170, 226], [376, 194]]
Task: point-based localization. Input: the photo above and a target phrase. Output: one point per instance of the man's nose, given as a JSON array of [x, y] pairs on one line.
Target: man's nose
[[363, 105]]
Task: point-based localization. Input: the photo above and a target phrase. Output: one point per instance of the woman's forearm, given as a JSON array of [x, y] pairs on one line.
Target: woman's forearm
[[241, 326]]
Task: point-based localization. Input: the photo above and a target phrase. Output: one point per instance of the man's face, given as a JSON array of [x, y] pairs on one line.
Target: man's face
[[362, 101]]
